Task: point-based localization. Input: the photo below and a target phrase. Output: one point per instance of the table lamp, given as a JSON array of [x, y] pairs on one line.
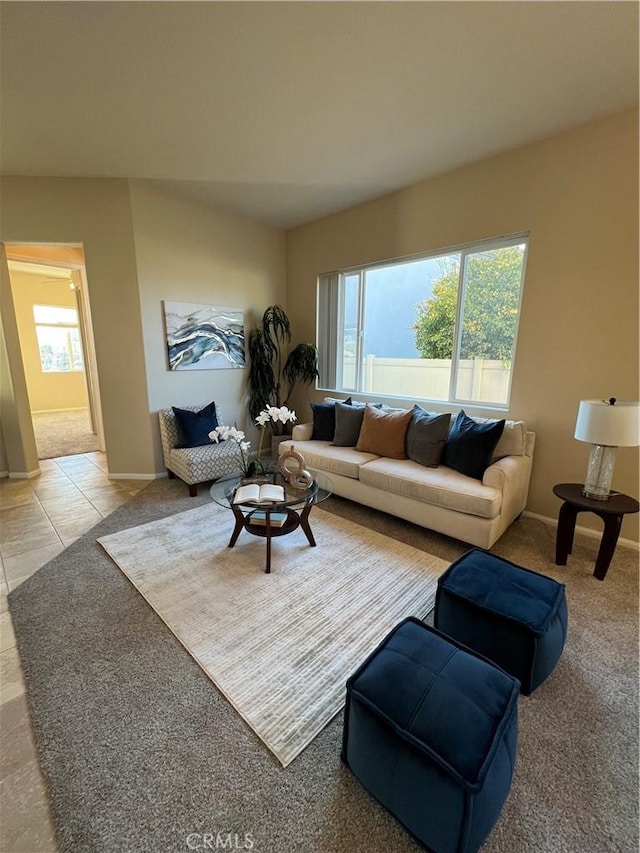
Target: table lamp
[[607, 425]]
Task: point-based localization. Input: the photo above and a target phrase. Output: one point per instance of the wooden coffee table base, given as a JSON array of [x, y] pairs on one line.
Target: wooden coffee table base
[[294, 520]]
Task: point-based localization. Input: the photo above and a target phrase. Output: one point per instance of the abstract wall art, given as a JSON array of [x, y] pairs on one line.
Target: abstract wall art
[[203, 337]]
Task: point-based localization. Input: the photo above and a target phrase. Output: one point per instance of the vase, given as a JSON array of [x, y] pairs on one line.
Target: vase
[[276, 441]]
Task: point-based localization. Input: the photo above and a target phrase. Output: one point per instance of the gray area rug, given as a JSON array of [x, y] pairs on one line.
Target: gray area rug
[[63, 433], [140, 750], [281, 646]]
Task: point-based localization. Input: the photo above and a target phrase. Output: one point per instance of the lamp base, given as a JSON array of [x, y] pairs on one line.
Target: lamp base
[[602, 460], [594, 496]]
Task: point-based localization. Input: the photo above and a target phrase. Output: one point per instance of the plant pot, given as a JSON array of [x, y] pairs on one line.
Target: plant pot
[[259, 479], [254, 469]]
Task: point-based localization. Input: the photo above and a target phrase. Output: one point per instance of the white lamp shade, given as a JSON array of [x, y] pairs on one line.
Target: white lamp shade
[[614, 426]]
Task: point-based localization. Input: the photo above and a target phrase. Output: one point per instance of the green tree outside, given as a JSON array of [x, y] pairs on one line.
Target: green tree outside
[[490, 310]]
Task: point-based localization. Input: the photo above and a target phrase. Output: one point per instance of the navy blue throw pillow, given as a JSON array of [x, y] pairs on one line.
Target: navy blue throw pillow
[[194, 427], [470, 445], [324, 420]]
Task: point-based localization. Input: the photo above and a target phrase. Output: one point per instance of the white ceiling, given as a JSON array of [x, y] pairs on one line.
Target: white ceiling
[[288, 111]]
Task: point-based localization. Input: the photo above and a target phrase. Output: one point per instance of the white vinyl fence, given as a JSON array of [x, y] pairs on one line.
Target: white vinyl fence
[[428, 378]]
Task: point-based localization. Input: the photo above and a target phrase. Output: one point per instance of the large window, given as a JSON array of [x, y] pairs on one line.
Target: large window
[[58, 338], [437, 327]]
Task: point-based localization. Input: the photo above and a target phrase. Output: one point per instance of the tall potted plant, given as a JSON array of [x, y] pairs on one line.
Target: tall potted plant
[[274, 373]]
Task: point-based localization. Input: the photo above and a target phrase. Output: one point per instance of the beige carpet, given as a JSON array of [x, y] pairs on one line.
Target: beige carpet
[[280, 647], [63, 433]]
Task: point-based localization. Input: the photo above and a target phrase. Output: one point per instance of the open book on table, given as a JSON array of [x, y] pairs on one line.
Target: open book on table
[[253, 493]]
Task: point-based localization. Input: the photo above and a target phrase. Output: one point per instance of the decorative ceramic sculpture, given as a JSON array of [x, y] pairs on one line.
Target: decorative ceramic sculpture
[[291, 464]]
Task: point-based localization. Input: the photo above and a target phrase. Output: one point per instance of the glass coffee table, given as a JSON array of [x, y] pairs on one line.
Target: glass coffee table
[[271, 519]]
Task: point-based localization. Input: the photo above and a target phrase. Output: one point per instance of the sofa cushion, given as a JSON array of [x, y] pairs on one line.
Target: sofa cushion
[[207, 462], [324, 419], [384, 433], [513, 440], [334, 460], [439, 486], [426, 437], [347, 400], [471, 444], [194, 427], [348, 423]]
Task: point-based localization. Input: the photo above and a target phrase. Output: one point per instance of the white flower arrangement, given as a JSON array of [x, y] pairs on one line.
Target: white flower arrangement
[[250, 461], [276, 415]]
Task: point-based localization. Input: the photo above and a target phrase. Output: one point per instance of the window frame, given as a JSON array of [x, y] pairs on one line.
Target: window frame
[[68, 327], [465, 250]]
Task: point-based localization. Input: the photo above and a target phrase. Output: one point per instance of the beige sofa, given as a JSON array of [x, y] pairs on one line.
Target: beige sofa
[[439, 498]]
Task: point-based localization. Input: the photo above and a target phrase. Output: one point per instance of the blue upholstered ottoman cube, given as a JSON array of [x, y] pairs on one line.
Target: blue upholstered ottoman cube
[[430, 730], [515, 617]]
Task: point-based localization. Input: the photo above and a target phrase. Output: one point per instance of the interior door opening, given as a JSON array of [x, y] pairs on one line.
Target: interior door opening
[[51, 301]]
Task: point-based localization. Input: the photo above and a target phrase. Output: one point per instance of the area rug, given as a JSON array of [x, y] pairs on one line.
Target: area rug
[[281, 646]]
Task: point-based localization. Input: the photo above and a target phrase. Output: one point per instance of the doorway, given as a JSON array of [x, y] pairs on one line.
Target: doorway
[[50, 296]]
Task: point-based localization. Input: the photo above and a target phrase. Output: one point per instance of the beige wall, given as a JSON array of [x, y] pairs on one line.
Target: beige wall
[[182, 251], [97, 214], [47, 391], [18, 442], [4, 465], [189, 252], [577, 195]]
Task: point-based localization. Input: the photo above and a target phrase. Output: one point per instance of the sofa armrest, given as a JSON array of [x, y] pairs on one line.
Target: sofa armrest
[[168, 433], [511, 476], [302, 432]]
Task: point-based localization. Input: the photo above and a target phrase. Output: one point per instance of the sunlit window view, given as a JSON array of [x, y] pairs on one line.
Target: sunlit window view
[[58, 335], [441, 327]]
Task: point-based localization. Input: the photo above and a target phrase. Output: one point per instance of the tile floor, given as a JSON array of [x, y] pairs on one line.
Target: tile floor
[[38, 519]]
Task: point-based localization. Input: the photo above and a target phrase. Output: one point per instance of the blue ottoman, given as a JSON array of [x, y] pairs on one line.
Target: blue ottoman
[[515, 617], [430, 730]]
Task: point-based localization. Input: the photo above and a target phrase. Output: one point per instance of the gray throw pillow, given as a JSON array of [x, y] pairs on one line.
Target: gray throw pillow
[[426, 437], [348, 423]]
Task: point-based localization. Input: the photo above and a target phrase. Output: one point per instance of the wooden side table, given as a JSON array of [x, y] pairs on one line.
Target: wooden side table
[[611, 512]]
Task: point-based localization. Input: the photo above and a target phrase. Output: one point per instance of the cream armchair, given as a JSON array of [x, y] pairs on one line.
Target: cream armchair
[[195, 465]]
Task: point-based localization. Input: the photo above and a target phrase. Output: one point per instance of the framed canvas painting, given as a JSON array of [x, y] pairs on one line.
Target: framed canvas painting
[[203, 337]]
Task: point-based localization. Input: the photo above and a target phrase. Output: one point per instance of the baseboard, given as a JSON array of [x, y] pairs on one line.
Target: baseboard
[[57, 411], [24, 475], [588, 531], [135, 476], [28, 475]]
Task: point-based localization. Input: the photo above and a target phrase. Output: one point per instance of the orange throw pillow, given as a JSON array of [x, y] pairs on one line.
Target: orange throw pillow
[[384, 433]]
